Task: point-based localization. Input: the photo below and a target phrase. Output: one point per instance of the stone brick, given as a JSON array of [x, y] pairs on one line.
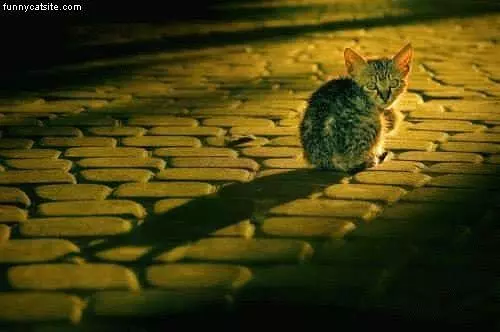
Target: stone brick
[[12, 121], [225, 141], [258, 112], [153, 302], [83, 120], [125, 253], [92, 208], [233, 121], [387, 194], [464, 168], [125, 162], [476, 137], [157, 141], [35, 250], [392, 178], [327, 208], [116, 131], [399, 166], [161, 120], [441, 156], [187, 131], [470, 147], [116, 175], [40, 307], [71, 277], [286, 163], [90, 152], [420, 211], [272, 152], [44, 131], [70, 192], [29, 153], [244, 229], [164, 189], [448, 126], [444, 195], [75, 227], [493, 159], [43, 163], [421, 135], [205, 174], [465, 181], [215, 162], [264, 131], [77, 141], [16, 143], [469, 116], [195, 152], [297, 227], [12, 214], [285, 141], [401, 144], [189, 276], [249, 250], [4, 234], [36, 176], [14, 196], [165, 205]]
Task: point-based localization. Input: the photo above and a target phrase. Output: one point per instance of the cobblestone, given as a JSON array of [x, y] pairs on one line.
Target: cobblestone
[[449, 126], [441, 156], [77, 141], [249, 250], [271, 152], [116, 175], [158, 141], [4, 233], [195, 152], [117, 131], [152, 302], [387, 194], [43, 163], [122, 162], [297, 227], [16, 143], [36, 177], [95, 152], [75, 227], [35, 250], [215, 162], [29, 153], [44, 131], [40, 307], [12, 214], [106, 207], [14, 196], [465, 181], [187, 131], [71, 276], [70, 192], [182, 276], [392, 178], [205, 174], [328, 208], [164, 189], [161, 120]]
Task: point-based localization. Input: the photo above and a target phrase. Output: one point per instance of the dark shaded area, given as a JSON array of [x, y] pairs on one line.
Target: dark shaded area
[[40, 41]]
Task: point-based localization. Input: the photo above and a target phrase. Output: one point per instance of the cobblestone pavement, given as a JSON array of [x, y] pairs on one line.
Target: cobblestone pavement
[[124, 198]]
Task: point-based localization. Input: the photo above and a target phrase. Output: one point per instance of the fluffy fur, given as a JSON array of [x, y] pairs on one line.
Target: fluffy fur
[[347, 119]]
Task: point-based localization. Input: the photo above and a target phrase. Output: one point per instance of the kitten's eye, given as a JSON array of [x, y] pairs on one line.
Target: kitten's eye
[[371, 86], [394, 83]]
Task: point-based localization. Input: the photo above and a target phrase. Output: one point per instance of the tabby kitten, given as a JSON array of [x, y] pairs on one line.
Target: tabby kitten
[[347, 119]]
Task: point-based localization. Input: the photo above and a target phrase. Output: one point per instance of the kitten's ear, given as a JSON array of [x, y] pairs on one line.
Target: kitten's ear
[[353, 61], [402, 60]]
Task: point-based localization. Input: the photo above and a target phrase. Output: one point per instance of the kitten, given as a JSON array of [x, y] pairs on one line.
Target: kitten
[[347, 119]]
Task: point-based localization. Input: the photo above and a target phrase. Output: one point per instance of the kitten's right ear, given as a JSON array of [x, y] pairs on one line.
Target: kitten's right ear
[[353, 61]]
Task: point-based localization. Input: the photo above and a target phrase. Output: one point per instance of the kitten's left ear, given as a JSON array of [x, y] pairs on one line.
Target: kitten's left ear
[[402, 60]]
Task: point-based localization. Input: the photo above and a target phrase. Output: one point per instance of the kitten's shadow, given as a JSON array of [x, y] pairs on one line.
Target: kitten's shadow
[[233, 203]]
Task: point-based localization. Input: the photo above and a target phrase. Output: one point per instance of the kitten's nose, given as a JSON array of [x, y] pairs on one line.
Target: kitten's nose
[[384, 95]]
